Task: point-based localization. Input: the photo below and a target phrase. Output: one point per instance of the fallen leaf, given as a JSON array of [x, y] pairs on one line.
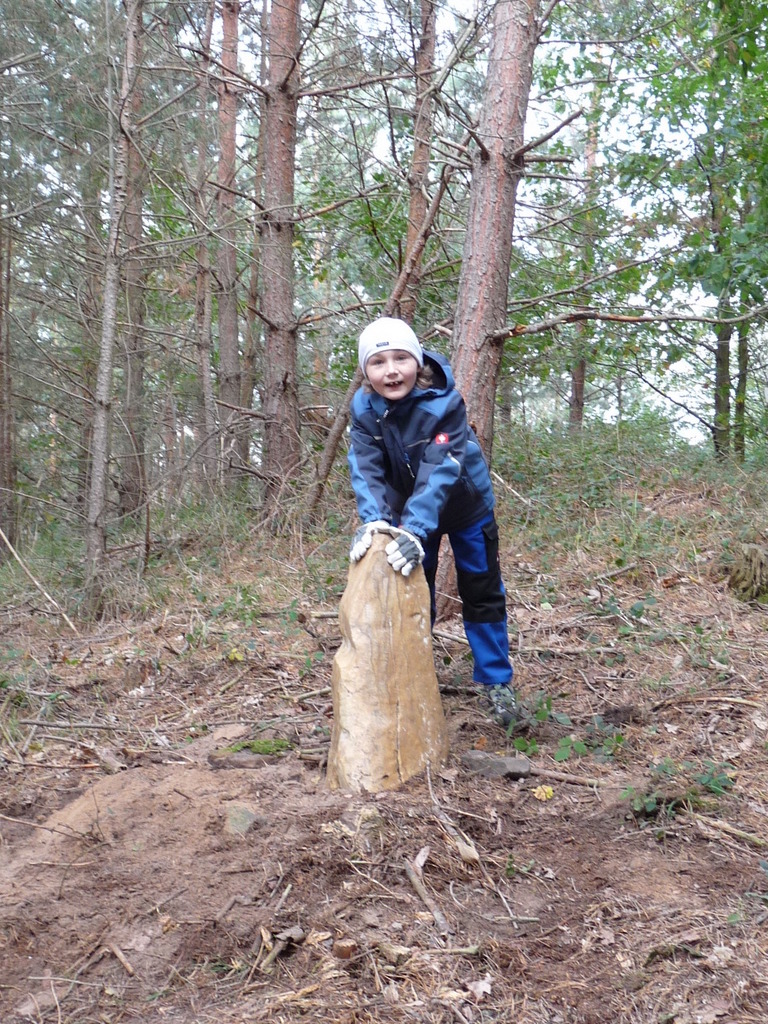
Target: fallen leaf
[[481, 988], [393, 953], [421, 858], [709, 1012], [543, 793], [390, 993], [467, 852], [720, 956], [606, 935]]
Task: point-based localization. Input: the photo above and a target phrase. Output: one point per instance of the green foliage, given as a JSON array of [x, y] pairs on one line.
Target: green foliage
[[536, 710], [265, 747], [525, 745], [588, 492], [679, 786], [713, 777], [601, 739], [597, 494], [11, 676], [512, 868], [570, 746], [241, 604]]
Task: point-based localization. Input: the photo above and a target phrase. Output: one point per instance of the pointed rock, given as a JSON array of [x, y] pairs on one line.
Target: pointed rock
[[388, 720]]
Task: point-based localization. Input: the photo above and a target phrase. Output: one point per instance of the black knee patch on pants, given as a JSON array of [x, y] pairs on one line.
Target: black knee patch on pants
[[482, 593]]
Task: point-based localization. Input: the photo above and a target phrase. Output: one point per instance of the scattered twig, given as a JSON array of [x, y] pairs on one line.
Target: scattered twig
[[157, 907], [706, 698], [49, 765], [6, 734], [456, 1012], [450, 951], [574, 780], [120, 955], [70, 725], [283, 898], [730, 830], [440, 920], [454, 637], [613, 573], [56, 1002], [236, 679], [553, 650], [518, 497], [243, 901], [466, 844], [374, 881], [44, 828], [321, 692]]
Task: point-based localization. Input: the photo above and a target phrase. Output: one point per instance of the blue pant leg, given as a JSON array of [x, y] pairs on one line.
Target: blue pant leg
[[483, 597]]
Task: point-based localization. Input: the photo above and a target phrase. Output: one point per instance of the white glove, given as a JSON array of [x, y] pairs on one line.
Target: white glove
[[405, 552], [362, 539]]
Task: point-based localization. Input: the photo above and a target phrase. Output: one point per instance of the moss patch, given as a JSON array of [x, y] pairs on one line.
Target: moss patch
[[266, 747]]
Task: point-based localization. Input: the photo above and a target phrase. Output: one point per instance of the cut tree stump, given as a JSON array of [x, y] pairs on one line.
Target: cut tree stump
[[388, 720]]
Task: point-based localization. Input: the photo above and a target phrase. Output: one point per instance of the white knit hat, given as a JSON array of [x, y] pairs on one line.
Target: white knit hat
[[388, 333]]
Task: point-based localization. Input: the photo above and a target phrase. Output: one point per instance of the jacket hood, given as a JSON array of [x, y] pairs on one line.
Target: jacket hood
[[442, 370]]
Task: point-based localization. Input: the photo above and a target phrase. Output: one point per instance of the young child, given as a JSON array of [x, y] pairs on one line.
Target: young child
[[418, 472]]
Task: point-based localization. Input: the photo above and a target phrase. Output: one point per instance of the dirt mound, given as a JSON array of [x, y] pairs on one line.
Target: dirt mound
[[153, 866]]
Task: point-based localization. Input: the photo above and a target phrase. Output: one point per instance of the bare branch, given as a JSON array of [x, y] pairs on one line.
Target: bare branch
[[578, 315], [545, 138]]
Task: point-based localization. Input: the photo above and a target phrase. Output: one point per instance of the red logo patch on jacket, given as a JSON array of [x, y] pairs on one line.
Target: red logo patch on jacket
[[441, 439]]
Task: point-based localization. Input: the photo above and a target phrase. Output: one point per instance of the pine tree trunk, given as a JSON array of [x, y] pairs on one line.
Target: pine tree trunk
[[576, 403], [7, 430], [229, 348], [132, 483], [96, 510], [281, 392], [418, 177], [90, 308], [206, 422], [583, 329], [481, 310], [172, 439], [253, 349]]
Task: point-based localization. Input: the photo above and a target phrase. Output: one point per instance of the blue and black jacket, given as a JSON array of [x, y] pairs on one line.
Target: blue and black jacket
[[416, 462]]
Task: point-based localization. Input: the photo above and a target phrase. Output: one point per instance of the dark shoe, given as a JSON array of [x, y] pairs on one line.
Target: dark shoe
[[503, 705]]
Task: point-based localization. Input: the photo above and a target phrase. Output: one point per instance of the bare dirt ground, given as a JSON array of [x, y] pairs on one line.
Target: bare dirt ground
[[150, 872]]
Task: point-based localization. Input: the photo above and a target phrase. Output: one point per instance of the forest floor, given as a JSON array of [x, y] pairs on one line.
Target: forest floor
[[152, 871]]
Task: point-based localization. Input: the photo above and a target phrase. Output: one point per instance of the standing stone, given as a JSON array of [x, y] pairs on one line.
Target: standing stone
[[388, 720]]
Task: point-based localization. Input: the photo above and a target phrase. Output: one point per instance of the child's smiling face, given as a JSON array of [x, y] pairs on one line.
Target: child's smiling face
[[392, 373]]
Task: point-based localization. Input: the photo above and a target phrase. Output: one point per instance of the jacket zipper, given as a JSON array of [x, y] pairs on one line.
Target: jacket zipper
[[395, 435]]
